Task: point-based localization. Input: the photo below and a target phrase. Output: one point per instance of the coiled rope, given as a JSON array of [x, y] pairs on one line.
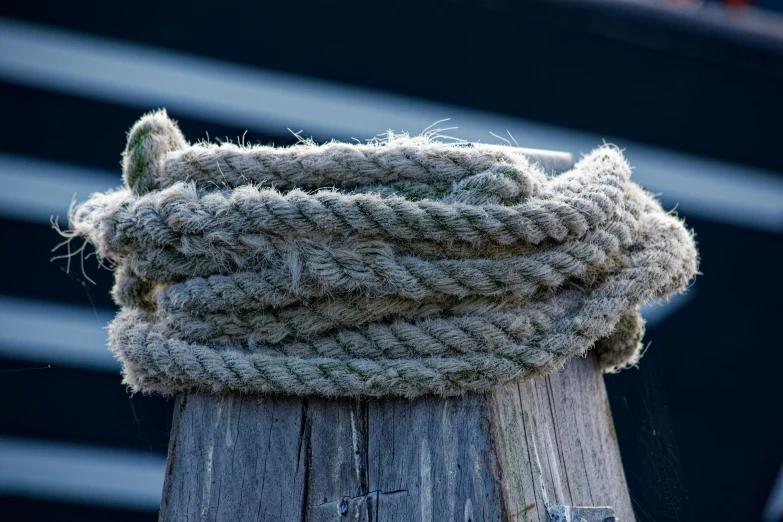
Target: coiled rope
[[398, 267]]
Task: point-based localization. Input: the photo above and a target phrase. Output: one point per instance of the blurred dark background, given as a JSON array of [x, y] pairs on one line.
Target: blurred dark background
[[692, 90]]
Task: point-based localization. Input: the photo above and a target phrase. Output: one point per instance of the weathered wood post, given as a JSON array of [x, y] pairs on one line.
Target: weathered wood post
[[508, 454], [504, 455]]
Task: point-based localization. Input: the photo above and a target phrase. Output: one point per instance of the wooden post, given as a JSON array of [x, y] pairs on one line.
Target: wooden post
[[507, 455], [504, 455]]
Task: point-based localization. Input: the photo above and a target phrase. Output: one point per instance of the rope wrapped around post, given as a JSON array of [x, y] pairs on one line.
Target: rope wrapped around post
[[403, 266]]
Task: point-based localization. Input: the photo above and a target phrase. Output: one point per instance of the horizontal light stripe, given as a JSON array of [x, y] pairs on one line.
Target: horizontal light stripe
[[656, 313], [749, 25], [35, 190], [711, 189], [67, 335], [773, 509], [57, 334], [81, 474], [144, 77]]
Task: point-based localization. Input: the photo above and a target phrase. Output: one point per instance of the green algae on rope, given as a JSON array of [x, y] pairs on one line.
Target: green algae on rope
[[149, 141], [403, 266]]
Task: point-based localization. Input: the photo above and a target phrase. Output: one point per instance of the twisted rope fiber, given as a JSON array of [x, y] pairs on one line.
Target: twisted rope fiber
[[402, 266]]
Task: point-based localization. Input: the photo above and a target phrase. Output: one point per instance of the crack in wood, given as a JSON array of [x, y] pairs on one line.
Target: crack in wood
[[375, 493]]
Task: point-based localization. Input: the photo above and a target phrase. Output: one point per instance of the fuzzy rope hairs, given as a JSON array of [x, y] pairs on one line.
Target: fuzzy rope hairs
[[402, 266]]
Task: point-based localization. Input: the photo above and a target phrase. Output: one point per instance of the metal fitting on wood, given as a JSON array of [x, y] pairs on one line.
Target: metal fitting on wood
[[582, 514]]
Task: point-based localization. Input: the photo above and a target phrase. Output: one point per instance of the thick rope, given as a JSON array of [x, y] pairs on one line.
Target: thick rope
[[402, 266]]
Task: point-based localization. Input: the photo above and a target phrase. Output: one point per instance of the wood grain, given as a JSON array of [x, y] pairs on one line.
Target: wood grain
[[500, 456]]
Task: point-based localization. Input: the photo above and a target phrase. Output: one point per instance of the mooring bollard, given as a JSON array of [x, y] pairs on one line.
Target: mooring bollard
[[421, 340]]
